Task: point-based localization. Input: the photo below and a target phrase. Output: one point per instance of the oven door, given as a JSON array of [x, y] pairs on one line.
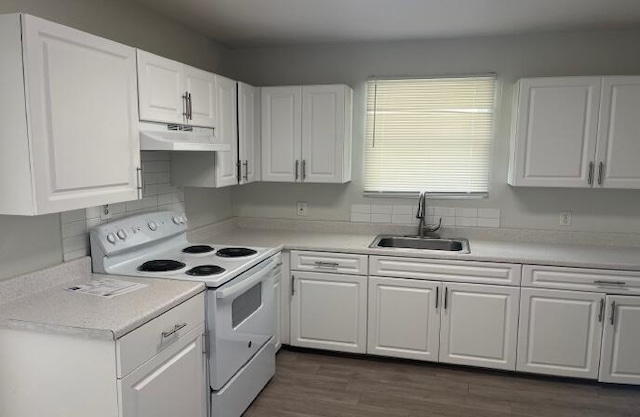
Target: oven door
[[241, 317]]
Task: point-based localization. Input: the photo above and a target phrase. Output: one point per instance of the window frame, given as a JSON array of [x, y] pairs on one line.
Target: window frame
[[497, 101]]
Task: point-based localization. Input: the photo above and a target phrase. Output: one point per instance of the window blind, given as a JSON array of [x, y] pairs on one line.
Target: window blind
[[431, 134]]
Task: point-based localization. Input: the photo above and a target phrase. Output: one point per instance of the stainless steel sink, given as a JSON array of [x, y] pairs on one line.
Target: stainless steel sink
[[414, 242]]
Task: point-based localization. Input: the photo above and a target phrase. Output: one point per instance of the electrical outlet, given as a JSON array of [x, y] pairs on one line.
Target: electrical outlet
[[302, 208], [565, 218], [105, 213]]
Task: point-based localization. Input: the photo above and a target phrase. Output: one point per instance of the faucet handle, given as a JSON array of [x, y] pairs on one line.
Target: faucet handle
[[432, 227]]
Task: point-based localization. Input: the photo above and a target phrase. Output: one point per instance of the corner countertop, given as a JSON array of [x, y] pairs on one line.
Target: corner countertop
[[583, 256], [57, 310]]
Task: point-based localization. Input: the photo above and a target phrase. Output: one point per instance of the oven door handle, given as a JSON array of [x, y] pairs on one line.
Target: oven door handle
[[246, 283]]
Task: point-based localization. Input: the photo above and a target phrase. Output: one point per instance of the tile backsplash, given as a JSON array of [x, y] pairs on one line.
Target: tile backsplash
[[158, 194], [405, 214]]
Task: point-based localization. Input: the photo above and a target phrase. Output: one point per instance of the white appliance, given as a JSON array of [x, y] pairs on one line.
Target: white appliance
[[175, 137], [240, 297]]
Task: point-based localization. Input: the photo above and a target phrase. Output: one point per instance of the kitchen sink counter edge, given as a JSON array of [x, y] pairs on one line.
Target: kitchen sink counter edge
[[54, 309], [582, 256]]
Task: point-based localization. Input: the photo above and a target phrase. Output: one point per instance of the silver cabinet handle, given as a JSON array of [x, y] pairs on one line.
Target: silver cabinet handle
[[600, 172], [297, 169], [437, 297], [602, 282], [446, 297], [601, 313], [613, 313], [293, 285], [590, 178], [321, 264], [190, 106], [175, 329], [139, 179], [304, 169], [185, 99], [246, 170]]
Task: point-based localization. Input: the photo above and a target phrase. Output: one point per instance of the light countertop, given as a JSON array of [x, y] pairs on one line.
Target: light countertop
[[57, 310], [586, 256]]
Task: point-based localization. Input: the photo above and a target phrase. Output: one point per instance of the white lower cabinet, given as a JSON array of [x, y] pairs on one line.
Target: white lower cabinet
[[329, 311], [156, 370], [404, 318], [150, 390], [479, 325], [560, 332], [620, 361]]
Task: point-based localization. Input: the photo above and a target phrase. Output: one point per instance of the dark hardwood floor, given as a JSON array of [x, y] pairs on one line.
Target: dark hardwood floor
[[313, 384]]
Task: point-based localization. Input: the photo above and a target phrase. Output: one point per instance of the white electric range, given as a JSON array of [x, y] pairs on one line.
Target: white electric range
[[240, 312]]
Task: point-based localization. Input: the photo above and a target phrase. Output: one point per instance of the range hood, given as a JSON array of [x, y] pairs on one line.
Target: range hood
[[173, 137]]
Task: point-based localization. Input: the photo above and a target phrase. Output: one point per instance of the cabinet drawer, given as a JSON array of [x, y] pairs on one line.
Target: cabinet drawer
[[137, 347], [445, 270], [599, 280], [343, 263]]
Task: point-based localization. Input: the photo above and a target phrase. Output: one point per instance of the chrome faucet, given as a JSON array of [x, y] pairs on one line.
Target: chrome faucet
[[423, 228]]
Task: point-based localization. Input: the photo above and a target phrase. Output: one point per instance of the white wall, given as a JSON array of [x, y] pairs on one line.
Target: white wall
[[510, 57], [31, 243]]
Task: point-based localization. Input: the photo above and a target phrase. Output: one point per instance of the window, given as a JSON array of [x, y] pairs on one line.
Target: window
[[429, 134]]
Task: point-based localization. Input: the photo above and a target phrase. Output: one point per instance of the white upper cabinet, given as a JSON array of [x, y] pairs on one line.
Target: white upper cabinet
[[172, 92], [621, 343], [201, 88], [76, 145], [555, 130], [578, 132], [281, 133], [161, 89], [249, 132], [326, 133], [227, 132], [619, 133], [306, 133]]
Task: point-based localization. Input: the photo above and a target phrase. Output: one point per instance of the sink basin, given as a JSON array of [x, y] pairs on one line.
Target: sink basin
[[410, 242]]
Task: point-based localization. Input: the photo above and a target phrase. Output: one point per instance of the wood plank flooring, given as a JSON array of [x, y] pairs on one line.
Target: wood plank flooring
[[313, 384]]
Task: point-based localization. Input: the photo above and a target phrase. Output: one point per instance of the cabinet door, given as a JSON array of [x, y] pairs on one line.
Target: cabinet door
[[83, 115], [227, 132], [171, 384], [329, 311], [281, 114], [404, 318], [161, 89], [479, 325], [323, 133], [560, 332], [554, 140], [618, 138], [620, 361], [202, 87], [248, 133]]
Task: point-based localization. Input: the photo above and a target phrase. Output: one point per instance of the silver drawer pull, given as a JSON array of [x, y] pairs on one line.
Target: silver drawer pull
[[175, 329], [327, 264], [600, 282]]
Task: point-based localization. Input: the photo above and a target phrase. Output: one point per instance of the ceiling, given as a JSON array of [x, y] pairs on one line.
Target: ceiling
[[241, 23]]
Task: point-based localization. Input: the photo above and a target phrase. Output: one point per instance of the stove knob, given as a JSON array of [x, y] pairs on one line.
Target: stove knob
[[182, 220], [176, 220], [122, 234], [111, 238], [153, 226]]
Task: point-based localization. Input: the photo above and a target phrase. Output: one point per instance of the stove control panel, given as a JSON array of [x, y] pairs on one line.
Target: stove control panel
[[141, 229]]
